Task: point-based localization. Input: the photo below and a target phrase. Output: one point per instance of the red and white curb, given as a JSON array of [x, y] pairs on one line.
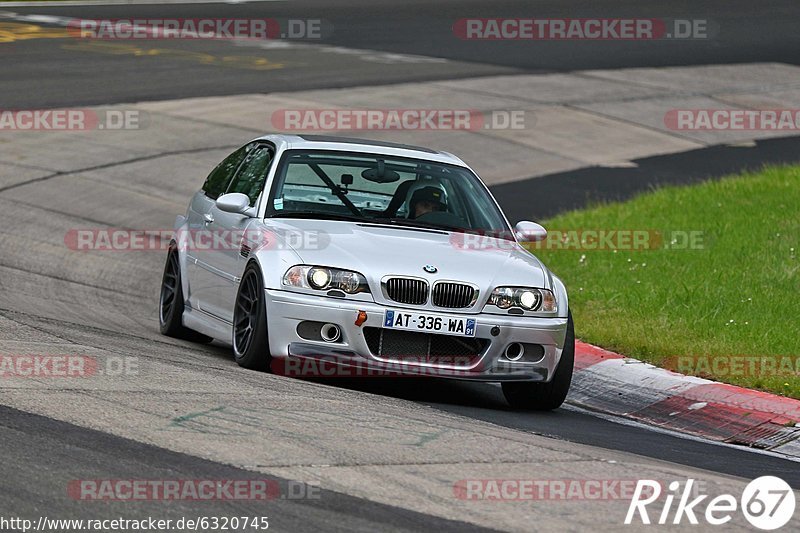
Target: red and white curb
[[611, 383]]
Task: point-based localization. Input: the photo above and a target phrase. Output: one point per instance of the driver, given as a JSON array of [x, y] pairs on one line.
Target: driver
[[426, 200]]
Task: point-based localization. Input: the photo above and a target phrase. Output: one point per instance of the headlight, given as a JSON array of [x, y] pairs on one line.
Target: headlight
[[349, 282], [529, 299], [323, 278], [319, 278], [502, 297]]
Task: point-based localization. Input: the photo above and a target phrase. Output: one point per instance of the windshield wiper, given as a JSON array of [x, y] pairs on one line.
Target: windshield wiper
[[320, 216], [419, 224]]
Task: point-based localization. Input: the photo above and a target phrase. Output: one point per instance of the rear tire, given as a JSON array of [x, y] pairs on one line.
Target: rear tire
[[171, 302], [545, 396], [250, 337]]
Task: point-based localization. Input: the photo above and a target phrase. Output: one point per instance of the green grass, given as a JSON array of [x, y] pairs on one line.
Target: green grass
[[736, 295]]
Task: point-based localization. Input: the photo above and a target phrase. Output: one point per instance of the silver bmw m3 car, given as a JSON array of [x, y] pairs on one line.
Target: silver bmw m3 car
[[368, 258]]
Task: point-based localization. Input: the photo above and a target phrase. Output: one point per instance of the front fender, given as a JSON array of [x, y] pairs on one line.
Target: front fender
[[180, 229], [561, 296], [274, 262]]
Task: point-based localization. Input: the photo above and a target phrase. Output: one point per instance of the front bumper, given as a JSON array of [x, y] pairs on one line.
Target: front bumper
[[351, 356]]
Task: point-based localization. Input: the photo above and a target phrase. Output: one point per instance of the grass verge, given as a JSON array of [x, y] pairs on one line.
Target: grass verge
[[714, 292]]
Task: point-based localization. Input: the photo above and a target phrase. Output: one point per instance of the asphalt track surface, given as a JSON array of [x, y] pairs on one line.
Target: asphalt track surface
[[487, 403], [40, 453], [79, 73], [62, 451]]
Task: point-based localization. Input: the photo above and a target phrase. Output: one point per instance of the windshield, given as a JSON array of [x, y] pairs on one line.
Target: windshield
[[383, 189]]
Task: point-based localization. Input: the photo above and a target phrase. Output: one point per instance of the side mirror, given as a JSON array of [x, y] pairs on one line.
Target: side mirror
[[234, 202], [529, 231]]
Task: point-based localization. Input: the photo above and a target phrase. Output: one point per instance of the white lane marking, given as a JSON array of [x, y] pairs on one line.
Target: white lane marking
[[633, 371], [44, 19], [129, 3], [369, 56]]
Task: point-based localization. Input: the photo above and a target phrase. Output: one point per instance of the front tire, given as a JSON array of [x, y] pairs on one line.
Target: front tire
[[546, 396], [250, 338], [171, 303]]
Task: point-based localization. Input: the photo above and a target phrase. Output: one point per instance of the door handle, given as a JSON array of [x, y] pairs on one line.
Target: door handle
[[208, 218]]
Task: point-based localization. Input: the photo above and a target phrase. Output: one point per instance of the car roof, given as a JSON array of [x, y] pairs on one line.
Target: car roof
[[348, 144]]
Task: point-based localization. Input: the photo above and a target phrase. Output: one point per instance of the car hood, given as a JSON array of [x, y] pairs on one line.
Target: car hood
[[377, 251]]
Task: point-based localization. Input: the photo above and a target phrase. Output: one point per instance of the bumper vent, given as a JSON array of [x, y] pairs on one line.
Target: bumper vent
[[424, 347], [407, 290], [453, 295]]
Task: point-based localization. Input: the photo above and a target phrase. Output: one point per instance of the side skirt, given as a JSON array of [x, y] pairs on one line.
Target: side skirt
[[207, 324]]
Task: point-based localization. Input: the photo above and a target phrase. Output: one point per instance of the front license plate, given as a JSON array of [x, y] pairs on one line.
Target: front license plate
[[424, 322]]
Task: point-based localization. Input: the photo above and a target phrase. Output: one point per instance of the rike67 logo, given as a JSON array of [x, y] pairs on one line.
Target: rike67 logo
[[767, 503]]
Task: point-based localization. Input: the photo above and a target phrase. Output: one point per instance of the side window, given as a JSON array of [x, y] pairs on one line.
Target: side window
[[218, 180], [253, 173]]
